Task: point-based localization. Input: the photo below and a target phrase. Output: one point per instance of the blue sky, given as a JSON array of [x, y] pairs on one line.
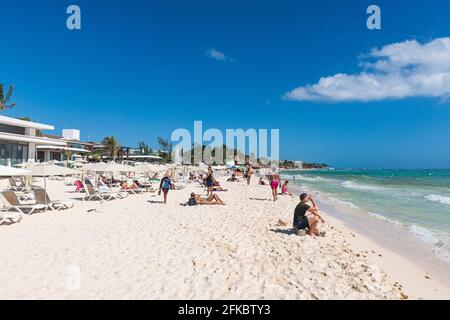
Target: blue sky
[[140, 69]]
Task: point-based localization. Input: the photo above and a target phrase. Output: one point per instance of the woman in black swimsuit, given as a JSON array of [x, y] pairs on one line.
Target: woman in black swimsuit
[[209, 182]]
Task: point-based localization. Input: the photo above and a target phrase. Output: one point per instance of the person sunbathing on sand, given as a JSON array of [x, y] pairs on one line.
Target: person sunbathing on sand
[[233, 178], [261, 182], [213, 199], [307, 217]]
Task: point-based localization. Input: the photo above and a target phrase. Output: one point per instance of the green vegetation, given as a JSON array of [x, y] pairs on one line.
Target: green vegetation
[[288, 164], [112, 146], [315, 165], [144, 148], [5, 98], [165, 149]]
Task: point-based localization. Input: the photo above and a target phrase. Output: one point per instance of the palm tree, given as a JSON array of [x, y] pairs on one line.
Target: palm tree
[[144, 148], [97, 156], [5, 99], [112, 146]]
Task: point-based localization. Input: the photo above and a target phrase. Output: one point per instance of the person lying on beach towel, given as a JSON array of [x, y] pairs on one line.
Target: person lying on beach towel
[[307, 217], [196, 199], [233, 178]]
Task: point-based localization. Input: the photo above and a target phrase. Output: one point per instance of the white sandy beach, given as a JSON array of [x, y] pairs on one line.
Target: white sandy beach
[[138, 248]]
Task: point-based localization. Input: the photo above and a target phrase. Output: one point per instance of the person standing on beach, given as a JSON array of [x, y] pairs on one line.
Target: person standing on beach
[[274, 181], [249, 174], [209, 181], [165, 185], [303, 221]]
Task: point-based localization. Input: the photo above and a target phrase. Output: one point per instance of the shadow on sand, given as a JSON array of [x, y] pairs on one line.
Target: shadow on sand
[[289, 232], [261, 199], [155, 201]]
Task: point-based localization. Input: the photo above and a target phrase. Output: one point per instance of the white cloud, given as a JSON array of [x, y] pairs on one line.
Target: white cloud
[[218, 55], [396, 71]]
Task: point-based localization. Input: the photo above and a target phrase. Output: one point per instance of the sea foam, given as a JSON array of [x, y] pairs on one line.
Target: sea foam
[[381, 217], [424, 235], [352, 185], [439, 199]]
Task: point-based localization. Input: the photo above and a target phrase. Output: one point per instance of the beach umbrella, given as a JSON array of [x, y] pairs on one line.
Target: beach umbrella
[[49, 170], [112, 167], [144, 168], [109, 167], [10, 171]]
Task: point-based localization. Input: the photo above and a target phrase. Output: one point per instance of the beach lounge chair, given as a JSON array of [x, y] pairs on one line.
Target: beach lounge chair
[[14, 186], [11, 201], [92, 194], [41, 197], [179, 186], [135, 190], [9, 216]]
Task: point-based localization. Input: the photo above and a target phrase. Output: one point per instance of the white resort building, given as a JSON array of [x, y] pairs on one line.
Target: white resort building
[[22, 141], [18, 140], [73, 148]]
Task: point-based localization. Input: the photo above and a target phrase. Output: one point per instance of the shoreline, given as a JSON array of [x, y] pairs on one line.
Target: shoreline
[[427, 276]]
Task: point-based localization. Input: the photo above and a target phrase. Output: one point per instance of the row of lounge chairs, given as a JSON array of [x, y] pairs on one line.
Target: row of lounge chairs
[[14, 209], [42, 201], [94, 194]]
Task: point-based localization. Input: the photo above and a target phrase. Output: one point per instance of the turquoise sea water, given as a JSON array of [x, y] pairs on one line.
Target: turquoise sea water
[[416, 200]]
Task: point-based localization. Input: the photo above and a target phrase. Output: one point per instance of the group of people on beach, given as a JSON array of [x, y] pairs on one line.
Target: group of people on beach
[[195, 199], [306, 213], [275, 183]]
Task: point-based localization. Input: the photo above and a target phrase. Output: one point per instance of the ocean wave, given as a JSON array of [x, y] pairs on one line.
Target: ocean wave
[[439, 199], [380, 217], [425, 235], [439, 246], [299, 177], [352, 185], [313, 179], [346, 204], [343, 203]]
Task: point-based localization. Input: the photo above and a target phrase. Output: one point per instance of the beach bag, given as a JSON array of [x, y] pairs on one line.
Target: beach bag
[[192, 202]]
